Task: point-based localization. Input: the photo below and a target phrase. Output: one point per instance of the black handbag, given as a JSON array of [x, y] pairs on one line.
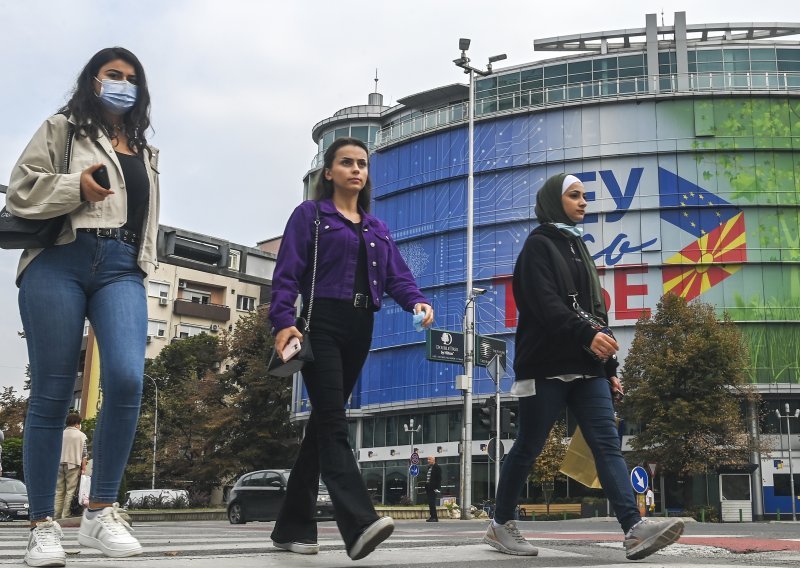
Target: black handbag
[[20, 233], [276, 367]]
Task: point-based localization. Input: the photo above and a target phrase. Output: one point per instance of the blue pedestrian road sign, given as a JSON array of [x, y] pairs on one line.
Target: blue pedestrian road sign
[[639, 479], [414, 470]]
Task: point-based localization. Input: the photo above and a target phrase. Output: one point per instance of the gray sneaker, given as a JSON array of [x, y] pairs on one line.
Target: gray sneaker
[[507, 538], [648, 536]]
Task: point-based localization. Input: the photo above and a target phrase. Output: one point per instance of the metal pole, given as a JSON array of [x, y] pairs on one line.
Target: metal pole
[[497, 441], [469, 324], [791, 469], [155, 434]]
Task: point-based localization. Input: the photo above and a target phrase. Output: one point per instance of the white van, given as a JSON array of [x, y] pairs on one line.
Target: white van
[[138, 497]]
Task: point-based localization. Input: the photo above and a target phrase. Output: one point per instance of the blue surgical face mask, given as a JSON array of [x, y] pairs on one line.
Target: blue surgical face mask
[[118, 97]]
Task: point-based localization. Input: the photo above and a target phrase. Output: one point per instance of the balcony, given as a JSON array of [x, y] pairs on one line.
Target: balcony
[[213, 312]]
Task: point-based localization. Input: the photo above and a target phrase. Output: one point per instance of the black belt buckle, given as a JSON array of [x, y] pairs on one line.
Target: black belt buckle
[[123, 235], [360, 301]]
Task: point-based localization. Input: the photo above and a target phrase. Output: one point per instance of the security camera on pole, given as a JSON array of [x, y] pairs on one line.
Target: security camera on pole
[[469, 314]]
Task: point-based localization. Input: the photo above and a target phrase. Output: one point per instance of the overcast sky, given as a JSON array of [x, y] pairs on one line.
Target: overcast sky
[[237, 85]]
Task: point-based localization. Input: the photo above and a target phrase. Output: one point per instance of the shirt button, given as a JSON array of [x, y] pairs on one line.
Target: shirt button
[[374, 282], [372, 245], [327, 226], [374, 263]]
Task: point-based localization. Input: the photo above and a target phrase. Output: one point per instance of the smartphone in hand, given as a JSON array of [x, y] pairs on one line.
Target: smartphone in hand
[[100, 176], [292, 348]]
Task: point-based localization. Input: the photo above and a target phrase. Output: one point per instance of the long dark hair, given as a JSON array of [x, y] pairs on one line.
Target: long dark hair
[[85, 106], [324, 187]]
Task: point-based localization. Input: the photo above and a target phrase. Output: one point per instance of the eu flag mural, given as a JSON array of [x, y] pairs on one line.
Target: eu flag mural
[[720, 247]]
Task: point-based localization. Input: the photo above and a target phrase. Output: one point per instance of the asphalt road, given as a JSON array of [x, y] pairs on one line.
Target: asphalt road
[[565, 544]]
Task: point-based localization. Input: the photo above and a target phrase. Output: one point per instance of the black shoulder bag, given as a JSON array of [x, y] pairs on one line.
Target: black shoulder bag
[[572, 292], [276, 367], [20, 233]]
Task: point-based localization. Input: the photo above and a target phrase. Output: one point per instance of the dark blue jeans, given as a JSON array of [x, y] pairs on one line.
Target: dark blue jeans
[[340, 339], [100, 279], [589, 401]]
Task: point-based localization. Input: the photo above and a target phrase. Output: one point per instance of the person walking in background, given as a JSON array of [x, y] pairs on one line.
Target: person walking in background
[[433, 485], [74, 454], [564, 361], [649, 502], [357, 262], [96, 269]]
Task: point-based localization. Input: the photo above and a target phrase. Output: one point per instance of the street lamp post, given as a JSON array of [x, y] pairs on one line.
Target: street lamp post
[[410, 428], [155, 432], [787, 416], [469, 314]]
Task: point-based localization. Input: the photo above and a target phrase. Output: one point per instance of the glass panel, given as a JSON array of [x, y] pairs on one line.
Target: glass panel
[[373, 133], [715, 67], [706, 55], [762, 54], [580, 78], [791, 66], [428, 428], [605, 63], [442, 429], [579, 67], [735, 487], [631, 61], [380, 431], [454, 417], [360, 132], [632, 72], [736, 55], [391, 431], [737, 66], [508, 79], [764, 66], [555, 71], [367, 432], [341, 133], [788, 54], [531, 75], [484, 85], [327, 140]]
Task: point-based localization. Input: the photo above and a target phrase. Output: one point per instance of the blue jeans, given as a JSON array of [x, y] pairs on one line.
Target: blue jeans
[[589, 400], [100, 279]]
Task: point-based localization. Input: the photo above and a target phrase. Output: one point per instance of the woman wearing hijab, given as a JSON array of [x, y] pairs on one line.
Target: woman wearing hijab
[[564, 361]]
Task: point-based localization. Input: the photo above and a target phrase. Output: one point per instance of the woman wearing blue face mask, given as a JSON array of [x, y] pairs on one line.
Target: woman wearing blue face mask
[[95, 270]]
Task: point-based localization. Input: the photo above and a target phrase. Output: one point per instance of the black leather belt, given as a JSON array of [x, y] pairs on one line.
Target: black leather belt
[[123, 235], [362, 301]]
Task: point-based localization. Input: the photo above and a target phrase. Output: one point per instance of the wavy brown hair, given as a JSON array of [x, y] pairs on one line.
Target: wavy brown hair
[[324, 187]]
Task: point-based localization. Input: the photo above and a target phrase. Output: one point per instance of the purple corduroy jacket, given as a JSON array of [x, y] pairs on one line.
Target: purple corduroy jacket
[[336, 262]]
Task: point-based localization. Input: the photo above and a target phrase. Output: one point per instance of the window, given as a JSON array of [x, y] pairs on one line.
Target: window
[[341, 133], [245, 303], [158, 289], [156, 328], [360, 132], [783, 486], [197, 297], [186, 330], [272, 479], [234, 258]]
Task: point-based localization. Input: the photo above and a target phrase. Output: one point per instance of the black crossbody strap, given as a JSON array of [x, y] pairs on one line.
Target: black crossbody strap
[[68, 147]]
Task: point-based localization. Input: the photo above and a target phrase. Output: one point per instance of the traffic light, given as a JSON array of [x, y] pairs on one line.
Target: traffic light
[[507, 418], [489, 415]]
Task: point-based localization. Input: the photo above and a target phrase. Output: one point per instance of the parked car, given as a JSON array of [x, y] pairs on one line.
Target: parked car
[[258, 496], [154, 498], [13, 499]]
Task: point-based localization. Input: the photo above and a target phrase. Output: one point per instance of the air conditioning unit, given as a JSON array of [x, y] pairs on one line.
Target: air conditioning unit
[[149, 338], [181, 283], [163, 301], [214, 327]]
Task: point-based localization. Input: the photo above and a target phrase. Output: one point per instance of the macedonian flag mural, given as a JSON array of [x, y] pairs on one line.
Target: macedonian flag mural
[[720, 248]]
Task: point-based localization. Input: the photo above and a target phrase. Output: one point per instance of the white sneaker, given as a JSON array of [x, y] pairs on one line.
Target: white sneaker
[[109, 533], [44, 545]]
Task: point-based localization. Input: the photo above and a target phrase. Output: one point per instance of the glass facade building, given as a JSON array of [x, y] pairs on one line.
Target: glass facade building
[[689, 149]]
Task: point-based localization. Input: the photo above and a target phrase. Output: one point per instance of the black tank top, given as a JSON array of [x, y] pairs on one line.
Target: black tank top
[[137, 187]]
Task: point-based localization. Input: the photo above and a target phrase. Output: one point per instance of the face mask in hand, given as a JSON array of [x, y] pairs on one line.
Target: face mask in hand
[[118, 97]]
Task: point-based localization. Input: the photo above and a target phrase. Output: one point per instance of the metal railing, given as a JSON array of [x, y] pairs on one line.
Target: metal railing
[[573, 92]]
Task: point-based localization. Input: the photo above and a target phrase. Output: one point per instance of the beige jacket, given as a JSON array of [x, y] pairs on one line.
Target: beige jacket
[[73, 447], [38, 191]]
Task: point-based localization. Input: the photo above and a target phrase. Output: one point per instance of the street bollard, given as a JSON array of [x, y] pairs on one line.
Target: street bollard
[[740, 515], [702, 515], [779, 514], [533, 515], [666, 512], [596, 513], [565, 515]]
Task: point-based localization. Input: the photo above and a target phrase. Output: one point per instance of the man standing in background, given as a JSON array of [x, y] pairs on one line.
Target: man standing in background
[[433, 484], [73, 464]]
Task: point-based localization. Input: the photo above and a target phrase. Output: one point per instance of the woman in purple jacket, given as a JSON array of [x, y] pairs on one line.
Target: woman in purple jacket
[[357, 263]]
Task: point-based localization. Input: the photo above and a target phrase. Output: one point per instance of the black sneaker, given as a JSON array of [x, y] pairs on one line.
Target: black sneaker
[[372, 536], [301, 546]]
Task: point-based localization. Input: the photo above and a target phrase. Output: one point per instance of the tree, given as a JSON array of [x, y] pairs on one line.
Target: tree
[[192, 398], [685, 384], [545, 469], [12, 413], [261, 434]]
